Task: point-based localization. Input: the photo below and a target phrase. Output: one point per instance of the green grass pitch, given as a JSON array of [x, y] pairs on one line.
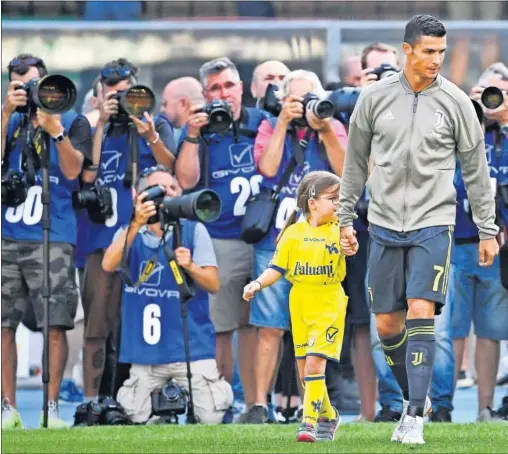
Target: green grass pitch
[[357, 438]]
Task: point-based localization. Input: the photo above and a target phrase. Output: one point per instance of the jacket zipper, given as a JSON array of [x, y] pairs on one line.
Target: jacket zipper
[[408, 170]]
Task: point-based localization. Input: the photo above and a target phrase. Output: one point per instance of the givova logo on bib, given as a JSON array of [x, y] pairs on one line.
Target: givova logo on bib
[[240, 155]]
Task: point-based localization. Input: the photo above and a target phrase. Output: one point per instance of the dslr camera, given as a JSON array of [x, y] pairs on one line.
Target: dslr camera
[[97, 200], [135, 101], [169, 402], [384, 70], [204, 206], [54, 94], [321, 108], [220, 117], [13, 188], [105, 412]]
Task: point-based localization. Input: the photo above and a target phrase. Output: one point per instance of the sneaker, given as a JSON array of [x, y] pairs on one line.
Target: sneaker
[[488, 415], [463, 381], [69, 392], [441, 415], [306, 434], [257, 414], [10, 416], [397, 434], [386, 414], [327, 427], [54, 421], [412, 431]]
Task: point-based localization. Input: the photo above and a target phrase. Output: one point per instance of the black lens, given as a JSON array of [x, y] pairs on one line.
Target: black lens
[[84, 199], [492, 98], [55, 94], [207, 206], [137, 100], [204, 206], [323, 109], [479, 110]]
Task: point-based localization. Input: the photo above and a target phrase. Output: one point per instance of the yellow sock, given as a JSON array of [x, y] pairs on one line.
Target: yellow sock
[[327, 411], [313, 399]]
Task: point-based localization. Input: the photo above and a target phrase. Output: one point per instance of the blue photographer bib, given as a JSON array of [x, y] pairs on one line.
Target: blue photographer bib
[[152, 330], [498, 167], [287, 196], [111, 174], [232, 174], [24, 222]]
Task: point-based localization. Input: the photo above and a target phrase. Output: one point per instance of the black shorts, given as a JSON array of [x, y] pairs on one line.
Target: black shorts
[[358, 311], [411, 265]]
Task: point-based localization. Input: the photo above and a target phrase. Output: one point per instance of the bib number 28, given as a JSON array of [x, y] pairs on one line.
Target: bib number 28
[[30, 211], [245, 187]]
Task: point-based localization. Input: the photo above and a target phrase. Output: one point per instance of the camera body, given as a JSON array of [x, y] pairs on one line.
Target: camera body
[[97, 200], [270, 102], [384, 70], [169, 401], [134, 101], [105, 412], [321, 108], [13, 188], [54, 94], [220, 117], [14, 191]]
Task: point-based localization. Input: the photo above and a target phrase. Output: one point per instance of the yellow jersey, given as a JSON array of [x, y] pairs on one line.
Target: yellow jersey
[[311, 256]]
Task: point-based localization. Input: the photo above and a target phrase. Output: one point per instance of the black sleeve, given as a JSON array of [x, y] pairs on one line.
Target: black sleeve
[[166, 135], [80, 135]]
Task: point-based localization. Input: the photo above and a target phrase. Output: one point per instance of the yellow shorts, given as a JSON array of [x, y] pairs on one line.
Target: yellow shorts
[[317, 321]]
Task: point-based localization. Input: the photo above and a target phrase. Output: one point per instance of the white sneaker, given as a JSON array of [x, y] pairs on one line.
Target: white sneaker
[[54, 421], [489, 415], [397, 434], [412, 431]]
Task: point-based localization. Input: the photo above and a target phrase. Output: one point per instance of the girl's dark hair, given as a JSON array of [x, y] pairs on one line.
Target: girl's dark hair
[[312, 186]]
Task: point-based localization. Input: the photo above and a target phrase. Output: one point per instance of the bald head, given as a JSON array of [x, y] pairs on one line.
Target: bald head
[[178, 97], [350, 71], [268, 72]]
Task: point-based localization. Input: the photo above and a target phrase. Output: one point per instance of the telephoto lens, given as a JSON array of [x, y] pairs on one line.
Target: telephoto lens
[[135, 101], [492, 98], [204, 206]]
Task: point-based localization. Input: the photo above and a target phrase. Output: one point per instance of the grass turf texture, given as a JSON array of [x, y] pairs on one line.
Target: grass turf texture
[[358, 438]]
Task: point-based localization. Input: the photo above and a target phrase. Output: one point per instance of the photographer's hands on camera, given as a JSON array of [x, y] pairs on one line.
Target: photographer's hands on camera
[[143, 211], [500, 114], [17, 97], [292, 108], [196, 121]]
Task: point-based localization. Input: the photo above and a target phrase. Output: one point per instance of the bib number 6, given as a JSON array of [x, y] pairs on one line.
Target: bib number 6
[[30, 211], [152, 324], [246, 187]]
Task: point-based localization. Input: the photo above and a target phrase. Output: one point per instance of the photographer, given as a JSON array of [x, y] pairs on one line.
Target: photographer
[[152, 336], [70, 144], [378, 61], [479, 296], [108, 203], [266, 73], [322, 145], [216, 151]]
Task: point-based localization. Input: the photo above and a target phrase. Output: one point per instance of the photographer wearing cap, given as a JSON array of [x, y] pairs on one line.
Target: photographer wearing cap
[[298, 140], [122, 142], [479, 295], [70, 142], [216, 152], [152, 335]]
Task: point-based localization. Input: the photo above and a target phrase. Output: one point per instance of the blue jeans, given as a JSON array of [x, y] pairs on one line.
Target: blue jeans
[[389, 392]]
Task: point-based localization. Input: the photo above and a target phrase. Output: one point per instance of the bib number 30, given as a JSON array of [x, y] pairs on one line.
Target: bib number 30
[[30, 211]]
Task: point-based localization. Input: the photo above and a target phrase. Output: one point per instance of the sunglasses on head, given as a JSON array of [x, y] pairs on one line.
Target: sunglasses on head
[[30, 61], [149, 170], [116, 71]]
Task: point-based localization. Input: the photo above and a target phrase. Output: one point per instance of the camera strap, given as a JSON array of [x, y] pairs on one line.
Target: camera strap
[[27, 150], [132, 165]]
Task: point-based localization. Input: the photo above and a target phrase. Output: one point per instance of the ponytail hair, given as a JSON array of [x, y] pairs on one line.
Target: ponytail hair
[[312, 185]]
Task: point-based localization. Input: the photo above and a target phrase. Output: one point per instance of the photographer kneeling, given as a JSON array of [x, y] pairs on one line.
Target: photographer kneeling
[[152, 331]]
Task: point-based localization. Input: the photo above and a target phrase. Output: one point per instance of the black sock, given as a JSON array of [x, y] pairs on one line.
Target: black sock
[[421, 352], [395, 355]]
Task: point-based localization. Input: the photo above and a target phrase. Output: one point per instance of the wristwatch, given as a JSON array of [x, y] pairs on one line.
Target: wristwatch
[[60, 137], [191, 139]]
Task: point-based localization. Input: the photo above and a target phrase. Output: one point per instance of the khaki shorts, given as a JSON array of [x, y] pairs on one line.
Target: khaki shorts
[[101, 298], [22, 284], [228, 309], [212, 395]]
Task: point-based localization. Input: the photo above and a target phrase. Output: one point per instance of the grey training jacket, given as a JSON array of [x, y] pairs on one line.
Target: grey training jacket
[[413, 140]]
